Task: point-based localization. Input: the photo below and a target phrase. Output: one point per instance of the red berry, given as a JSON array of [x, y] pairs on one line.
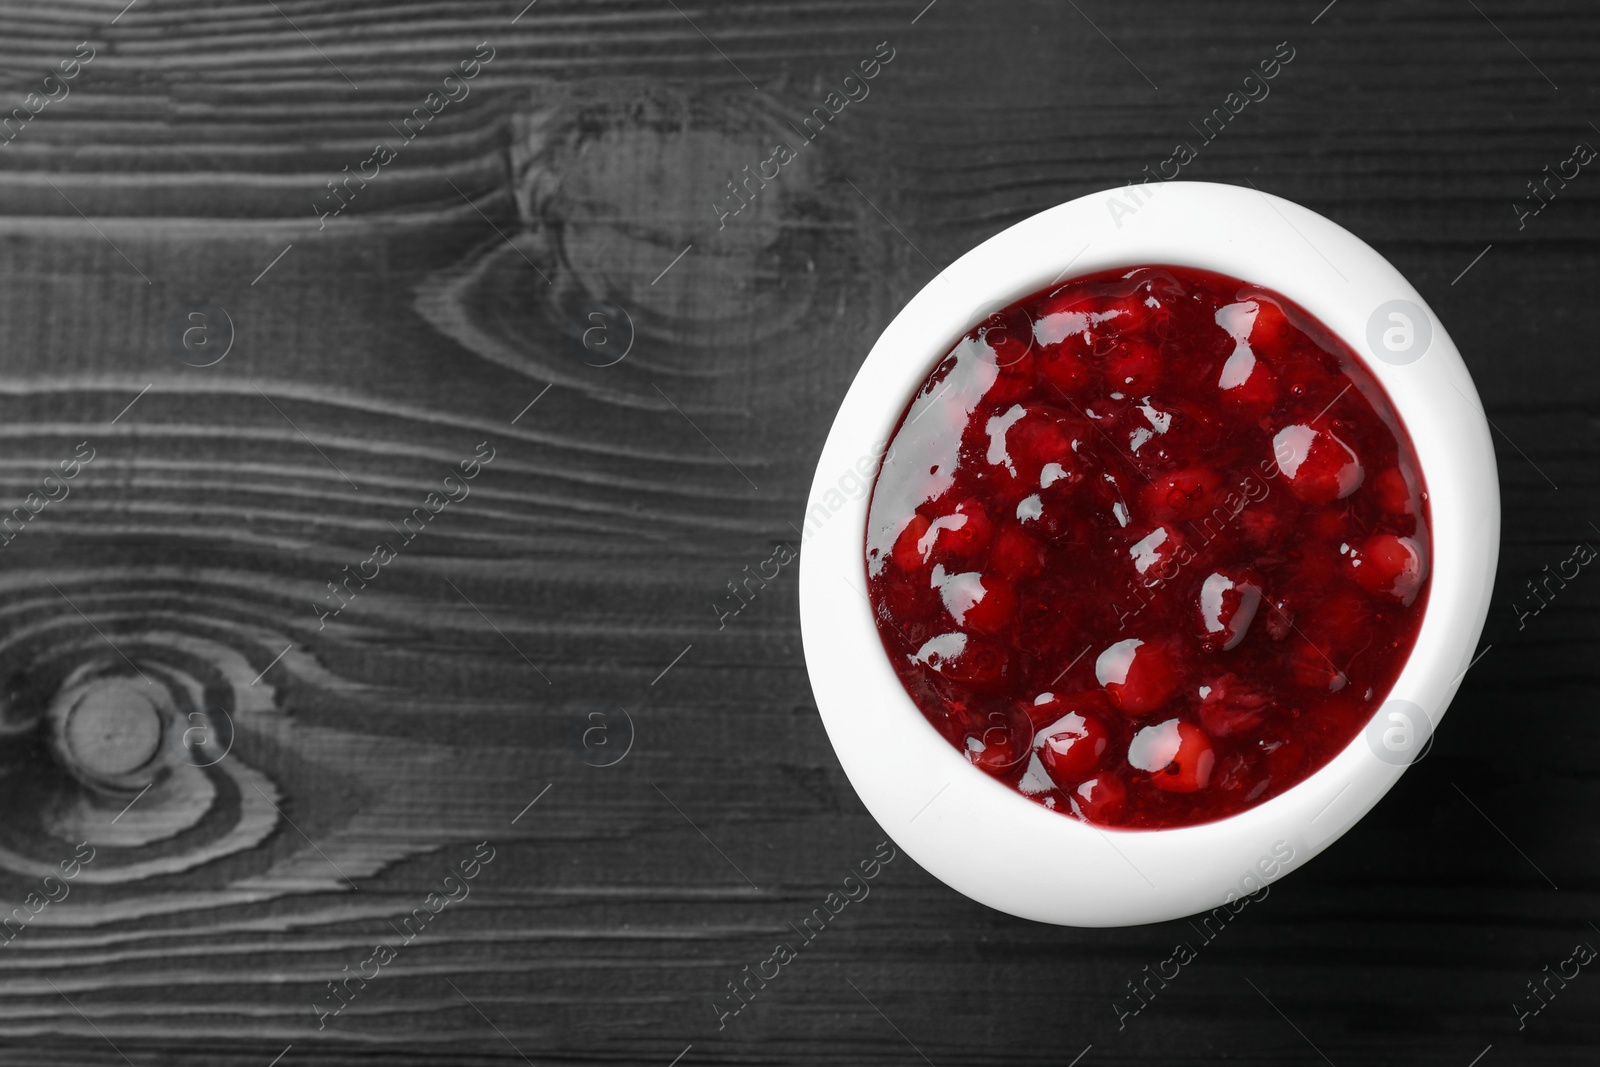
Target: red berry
[[1183, 494], [1025, 437], [1111, 493], [1133, 368], [1011, 349], [1008, 338], [1071, 747], [994, 610], [1386, 565], [968, 660], [1319, 467], [1177, 754], [1142, 425], [1138, 676], [1246, 383], [1228, 604], [1064, 367], [1099, 800], [1157, 555], [958, 591], [1124, 315], [1015, 554], [1392, 493], [904, 597], [1271, 331], [1013, 383], [1052, 510], [963, 532], [997, 745], [908, 554]]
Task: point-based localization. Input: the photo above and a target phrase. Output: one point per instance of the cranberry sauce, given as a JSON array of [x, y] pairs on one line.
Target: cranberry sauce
[[1150, 547]]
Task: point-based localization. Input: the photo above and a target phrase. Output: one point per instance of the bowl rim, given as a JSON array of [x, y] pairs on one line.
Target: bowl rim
[[979, 835]]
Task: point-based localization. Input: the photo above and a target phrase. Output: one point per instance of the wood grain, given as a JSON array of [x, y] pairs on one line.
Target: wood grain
[[463, 284]]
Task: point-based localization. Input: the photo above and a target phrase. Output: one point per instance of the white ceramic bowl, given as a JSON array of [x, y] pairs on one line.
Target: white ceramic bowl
[[978, 835]]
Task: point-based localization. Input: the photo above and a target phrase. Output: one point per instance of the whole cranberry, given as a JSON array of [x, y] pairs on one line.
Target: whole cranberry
[[997, 747], [1389, 566], [1177, 754], [996, 611], [1023, 438], [1157, 555], [1071, 747], [1319, 467], [1099, 800], [913, 546], [1064, 368], [1016, 554], [1393, 494], [1133, 367], [1247, 383], [968, 660], [960, 533], [1228, 603], [1183, 494], [1138, 676], [1271, 330]]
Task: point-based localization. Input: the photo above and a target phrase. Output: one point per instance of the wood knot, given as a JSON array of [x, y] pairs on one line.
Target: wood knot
[[642, 210], [107, 730]]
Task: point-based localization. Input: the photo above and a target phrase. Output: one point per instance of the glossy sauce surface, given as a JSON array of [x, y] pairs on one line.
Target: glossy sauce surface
[[1151, 547]]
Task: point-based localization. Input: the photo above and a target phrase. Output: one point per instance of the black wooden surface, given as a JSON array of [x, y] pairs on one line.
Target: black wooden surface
[[510, 254]]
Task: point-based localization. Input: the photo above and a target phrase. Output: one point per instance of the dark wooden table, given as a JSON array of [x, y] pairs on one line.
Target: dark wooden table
[[537, 268]]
